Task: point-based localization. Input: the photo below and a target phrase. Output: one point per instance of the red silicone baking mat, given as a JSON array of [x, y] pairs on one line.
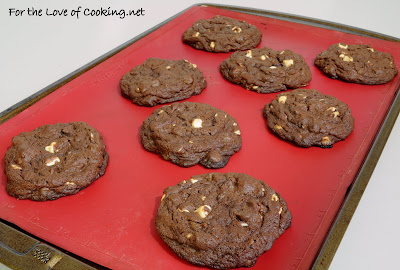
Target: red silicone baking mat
[[112, 221]]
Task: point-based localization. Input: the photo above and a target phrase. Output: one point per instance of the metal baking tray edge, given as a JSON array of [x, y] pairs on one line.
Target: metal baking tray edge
[[354, 194]]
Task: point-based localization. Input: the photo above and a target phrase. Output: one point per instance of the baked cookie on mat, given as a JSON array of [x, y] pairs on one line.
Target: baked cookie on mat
[[54, 161], [265, 70], [221, 220], [158, 81], [308, 118], [222, 34], [189, 133], [357, 63]]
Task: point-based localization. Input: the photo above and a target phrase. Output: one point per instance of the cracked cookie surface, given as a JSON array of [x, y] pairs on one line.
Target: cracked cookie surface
[[54, 161], [189, 133], [222, 34], [357, 64], [308, 118], [159, 81], [221, 220], [265, 70]]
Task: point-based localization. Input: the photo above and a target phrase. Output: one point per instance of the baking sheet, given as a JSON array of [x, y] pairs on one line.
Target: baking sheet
[[112, 221]]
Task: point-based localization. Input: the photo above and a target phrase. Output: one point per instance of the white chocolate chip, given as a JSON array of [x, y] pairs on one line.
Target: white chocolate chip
[[180, 149], [371, 49], [249, 54], [282, 52], [282, 99], [215, 115], [264, 57], [274, 197], [235, 124], [244, 224], [225, 116], [168, 67], [326, 141], [280, 210], [160, 112], [272, 67], [237, 29], [183, 210], [137, 89], [14, 166], [333, 109], [288, 62], [51, 148], [163, 197], [186, 60], [278, 127], [237, 132], [343, 46], [197, 34], [52, 161], [197, 123], [193, 180], [346, 58], [203, 198], [203, 211], [70, 183], [212, 44], [189, 235], [255, 87], [194, 65], [190, 142]]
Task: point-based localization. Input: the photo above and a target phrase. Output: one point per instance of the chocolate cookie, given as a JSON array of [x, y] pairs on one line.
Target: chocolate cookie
[[221, 220], [54, 161], [189, 133], [266, 70], [309, 118], [357, 64], [158, 81], [222, 34]]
